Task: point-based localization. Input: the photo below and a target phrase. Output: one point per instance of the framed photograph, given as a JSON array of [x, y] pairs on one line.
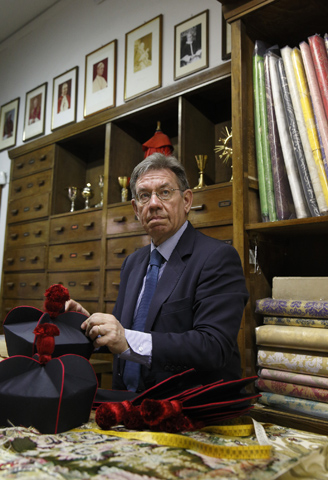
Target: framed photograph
[[143, 59], [226, 39], [100, 79], [8, 124], [191, 45], [35, 112], [64, 97]]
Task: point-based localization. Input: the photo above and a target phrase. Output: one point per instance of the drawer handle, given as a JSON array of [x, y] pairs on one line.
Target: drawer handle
[[225, 203], [18, 189], [59, 229], [119, 219], [14, 236], [10, 284], [34, 259], [198, 208], [10, 260], [38, 207], [35, 284], [86, 284], [41, 183], [43, 158], [116, 284], [58, 257], [87, 254], [88, 225], [20, 165], [14, 212], [38, 233], [117, 251]]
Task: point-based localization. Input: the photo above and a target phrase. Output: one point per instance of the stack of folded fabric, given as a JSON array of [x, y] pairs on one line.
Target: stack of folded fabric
[[292, 346]]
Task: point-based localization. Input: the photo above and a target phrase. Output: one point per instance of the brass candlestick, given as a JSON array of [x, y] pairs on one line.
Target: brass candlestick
[[87, 193], [124, 183], [201, 163]]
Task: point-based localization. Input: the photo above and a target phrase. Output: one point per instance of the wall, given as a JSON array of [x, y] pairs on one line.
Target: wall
[[60, 39]]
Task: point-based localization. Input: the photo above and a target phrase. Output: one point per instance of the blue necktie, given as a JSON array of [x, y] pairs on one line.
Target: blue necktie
[[131, 373]]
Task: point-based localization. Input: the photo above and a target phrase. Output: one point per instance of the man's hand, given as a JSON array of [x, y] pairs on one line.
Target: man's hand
[[73, 306], [105, 330]]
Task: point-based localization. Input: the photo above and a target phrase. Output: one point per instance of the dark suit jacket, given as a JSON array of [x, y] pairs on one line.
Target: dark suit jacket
[[195, 314]]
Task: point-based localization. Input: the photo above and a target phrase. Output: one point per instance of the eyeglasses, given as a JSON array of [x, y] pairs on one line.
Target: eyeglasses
[[163, 194]]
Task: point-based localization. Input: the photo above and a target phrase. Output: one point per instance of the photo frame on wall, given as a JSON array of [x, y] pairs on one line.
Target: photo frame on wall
[[35, 112], [64, 97], [100, 79], [143, 59], [191, 45], [226, 39], [8, 124]]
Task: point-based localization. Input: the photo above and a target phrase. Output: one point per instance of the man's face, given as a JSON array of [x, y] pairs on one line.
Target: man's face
[[161, 219]]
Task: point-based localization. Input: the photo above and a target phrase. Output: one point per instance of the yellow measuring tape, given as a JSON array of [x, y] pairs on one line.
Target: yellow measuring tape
[[248, 452]]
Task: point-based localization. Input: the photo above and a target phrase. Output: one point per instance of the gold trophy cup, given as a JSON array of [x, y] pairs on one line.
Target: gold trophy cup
[[87, 193], [124, 183], [201, 163]]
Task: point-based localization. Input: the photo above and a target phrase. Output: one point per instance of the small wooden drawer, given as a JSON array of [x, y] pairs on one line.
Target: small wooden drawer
[[75, 227], [119, 248], [122, 219], [32, 185], [224, 233], [24, 258], [28, 208], [212, 206], [109, 307], [81, 285], [112, 284], [24, 285], [27, 233], [9, 304], [75, 256], [33, 162]]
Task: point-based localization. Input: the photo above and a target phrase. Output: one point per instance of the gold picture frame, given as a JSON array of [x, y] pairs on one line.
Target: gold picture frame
[[64, 98], [8, 124], [143, 59], [100, 79]]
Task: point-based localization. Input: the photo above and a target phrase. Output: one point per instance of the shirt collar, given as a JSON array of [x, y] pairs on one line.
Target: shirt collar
[[166, 248]]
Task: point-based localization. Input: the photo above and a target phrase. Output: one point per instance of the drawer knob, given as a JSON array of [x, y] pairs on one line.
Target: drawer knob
[[38, 233], [198, 208], [14, 212], [86, 284], [34, 284], [14, 236], [59, 229], [58, 257], [116, 284], [88, 225], [10, 284], [41, 183], [118, 251], [119, 219], [18, 189], [34, 259], [10, 260], [38, 207], [20, 165], [43, 158], [87, 254]]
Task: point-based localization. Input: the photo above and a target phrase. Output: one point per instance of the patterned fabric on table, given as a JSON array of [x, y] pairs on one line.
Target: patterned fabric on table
[[25, 454]]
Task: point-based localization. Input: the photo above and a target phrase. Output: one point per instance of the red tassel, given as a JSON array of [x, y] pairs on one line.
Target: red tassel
[[133, 419], [109, 414], [56, 296], [45, 342], [155, 411]]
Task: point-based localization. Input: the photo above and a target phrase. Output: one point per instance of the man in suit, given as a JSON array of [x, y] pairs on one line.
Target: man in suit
[[196, 310]]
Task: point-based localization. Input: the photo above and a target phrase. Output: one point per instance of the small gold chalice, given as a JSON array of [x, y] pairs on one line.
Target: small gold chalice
[[72, 194], [124, 183], [201, 163], [87, 193]]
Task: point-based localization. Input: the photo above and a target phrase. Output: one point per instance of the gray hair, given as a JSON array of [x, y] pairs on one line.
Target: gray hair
[[158, 161]]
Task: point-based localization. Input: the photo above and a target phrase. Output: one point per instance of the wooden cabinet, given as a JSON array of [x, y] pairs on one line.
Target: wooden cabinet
[[283, 248]]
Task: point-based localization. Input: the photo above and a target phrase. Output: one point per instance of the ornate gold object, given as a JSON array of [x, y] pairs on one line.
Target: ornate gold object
[[124, 183], [225, 149], [87, 193], [201, 163], [72, 193], [101, 186]]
